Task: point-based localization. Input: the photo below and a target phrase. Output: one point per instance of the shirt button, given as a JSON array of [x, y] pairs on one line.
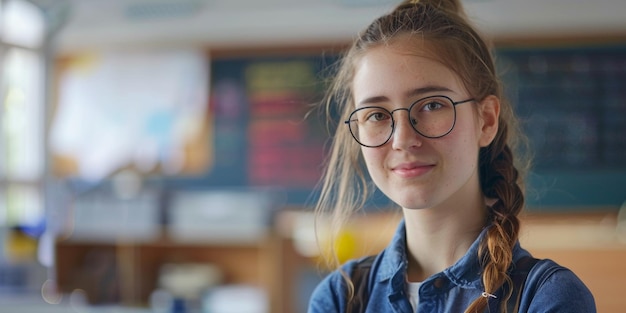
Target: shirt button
[[439, 282]]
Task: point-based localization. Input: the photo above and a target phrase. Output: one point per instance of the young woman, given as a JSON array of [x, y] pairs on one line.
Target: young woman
[[423, 117]]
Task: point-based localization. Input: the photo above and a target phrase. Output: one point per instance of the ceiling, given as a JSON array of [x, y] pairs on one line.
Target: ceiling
[[89, 24]]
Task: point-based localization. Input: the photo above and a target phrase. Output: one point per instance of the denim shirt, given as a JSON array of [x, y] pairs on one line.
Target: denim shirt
[[548, 288]]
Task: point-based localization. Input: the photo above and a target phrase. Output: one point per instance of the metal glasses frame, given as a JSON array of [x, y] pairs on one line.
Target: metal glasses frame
[[393, 121]]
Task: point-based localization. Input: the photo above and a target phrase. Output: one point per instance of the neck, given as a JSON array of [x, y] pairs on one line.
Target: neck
[[438, 237]]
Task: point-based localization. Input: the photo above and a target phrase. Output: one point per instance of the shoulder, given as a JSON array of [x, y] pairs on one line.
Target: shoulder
[[551, 287], [330, 295]]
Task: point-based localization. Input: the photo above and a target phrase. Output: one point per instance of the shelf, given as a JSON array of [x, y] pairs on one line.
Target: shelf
[[127, 273]]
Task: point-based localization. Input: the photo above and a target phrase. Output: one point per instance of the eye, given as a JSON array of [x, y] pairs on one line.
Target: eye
[[377, 116], [373, 114], [432, 106]]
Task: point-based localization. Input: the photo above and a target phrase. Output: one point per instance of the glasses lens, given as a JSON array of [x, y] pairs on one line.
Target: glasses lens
[[433, 116], [371, 126]]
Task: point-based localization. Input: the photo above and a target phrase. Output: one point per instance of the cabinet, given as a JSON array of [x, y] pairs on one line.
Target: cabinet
[[127, 272]]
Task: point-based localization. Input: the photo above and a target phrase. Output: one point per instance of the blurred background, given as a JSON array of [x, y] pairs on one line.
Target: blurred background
[[155, 155]]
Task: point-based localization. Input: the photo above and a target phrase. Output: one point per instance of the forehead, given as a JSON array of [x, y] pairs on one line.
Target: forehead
[[399, 66]]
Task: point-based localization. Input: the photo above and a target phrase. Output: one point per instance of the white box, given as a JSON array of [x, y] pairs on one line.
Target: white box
[[224, 216]]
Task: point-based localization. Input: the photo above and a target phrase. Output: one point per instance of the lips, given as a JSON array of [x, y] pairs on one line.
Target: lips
[[413, 169]]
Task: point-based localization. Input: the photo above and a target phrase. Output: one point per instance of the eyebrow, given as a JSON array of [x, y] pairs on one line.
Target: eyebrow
[[409, 94]]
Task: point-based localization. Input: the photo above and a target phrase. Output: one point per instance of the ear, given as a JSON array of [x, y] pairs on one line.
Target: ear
[[489, 111]]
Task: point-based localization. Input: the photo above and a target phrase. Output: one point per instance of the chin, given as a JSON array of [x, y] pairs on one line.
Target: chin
[[414, 204]]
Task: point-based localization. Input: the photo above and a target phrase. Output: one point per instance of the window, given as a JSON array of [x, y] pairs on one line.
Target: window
[[22, 156]]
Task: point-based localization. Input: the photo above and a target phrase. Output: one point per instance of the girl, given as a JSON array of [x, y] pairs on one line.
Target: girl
[[425, 120]]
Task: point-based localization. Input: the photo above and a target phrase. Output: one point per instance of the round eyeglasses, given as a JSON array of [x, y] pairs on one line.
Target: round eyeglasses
[[431, 117]]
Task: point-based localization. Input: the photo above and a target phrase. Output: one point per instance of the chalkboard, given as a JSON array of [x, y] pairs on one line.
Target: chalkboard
[[571, 102], [572, 105], [263, 136]]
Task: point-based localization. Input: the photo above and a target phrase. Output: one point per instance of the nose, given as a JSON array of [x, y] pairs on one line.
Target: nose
[[404, 135]]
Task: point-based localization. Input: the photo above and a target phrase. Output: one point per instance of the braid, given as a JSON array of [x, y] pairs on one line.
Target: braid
[[499, 180]]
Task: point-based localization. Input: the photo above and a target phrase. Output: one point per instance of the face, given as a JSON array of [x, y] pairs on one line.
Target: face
[[414, 171]]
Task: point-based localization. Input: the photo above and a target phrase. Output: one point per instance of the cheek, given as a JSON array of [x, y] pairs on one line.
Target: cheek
[[373, 158], [466, 132], [461, 145]]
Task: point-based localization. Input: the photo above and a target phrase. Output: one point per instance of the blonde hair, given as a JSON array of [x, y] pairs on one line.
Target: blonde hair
[[345, 186]]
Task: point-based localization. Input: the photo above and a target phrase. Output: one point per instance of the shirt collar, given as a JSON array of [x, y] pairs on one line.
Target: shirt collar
[[465, 272], [394, 256]]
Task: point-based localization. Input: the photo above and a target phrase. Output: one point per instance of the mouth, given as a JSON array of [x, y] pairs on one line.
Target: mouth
[[410, 170]]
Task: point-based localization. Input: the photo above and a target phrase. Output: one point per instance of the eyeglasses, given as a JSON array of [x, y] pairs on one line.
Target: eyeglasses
[[431, 117]]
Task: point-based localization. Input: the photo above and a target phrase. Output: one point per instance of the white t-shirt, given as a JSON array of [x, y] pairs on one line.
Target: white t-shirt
[[412, 290]]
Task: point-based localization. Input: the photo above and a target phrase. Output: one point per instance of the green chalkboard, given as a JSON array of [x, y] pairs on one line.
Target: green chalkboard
[[571, 102], [572, 105], [263, 137]]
